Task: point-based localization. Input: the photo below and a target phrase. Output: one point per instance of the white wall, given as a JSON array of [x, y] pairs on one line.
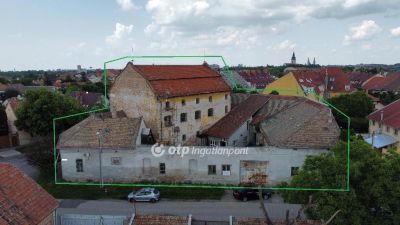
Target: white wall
[[131, 169]]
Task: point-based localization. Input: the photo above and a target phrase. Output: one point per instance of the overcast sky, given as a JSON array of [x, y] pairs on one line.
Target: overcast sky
[[50, 34]]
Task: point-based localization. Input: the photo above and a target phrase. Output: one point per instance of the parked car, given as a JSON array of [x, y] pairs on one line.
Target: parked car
[[248, 193], [144, 195]]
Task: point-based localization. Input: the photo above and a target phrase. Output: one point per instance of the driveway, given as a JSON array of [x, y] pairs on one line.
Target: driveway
[[18, 160]]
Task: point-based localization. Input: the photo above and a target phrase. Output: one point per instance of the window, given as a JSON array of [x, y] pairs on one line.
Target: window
[[373, 122], [184, 137], [387, 129], [197, 114], [210, 99], [210, 112], [226, 109], [168, 121], [226, 96], [79, 165], [183, 117], [212, 169], [162, 168], [294, 171], [197, 100], [213, 143], [396, 131], [167, 105], [115, 160], [183, 102], [226, 170]]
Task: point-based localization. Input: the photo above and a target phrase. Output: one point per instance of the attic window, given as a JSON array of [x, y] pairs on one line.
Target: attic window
[[183, 102]]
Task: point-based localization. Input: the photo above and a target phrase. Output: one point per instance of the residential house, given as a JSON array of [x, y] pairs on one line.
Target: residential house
[[23, 201], [93, 78], [372, 82], [234, 128], [326, 82], [87, 99], [357, 79], [126, 159], [295, 123], [112, 74], [384, 127], [258, 79], [176, 101], [23, 137], [391, 82], [99, 135]]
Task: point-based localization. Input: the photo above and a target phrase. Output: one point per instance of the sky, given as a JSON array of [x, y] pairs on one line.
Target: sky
[[53, 34]]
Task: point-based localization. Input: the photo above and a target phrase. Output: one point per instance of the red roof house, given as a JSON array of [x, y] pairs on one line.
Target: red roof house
[[22, 200]]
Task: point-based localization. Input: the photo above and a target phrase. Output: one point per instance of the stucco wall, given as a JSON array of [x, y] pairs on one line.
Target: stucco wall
[[391, 132], [24, 137], [178, 168], [133, 94]]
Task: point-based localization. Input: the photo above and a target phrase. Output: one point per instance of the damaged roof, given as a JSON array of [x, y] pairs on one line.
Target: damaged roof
[[297, 122], [181, 80], [120, 132], [228, 124]]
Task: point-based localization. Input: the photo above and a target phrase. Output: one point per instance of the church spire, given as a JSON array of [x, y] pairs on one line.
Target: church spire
[[293, 61]]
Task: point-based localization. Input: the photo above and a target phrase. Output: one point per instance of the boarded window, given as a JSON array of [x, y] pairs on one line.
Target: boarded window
[[79, 165], [212, 169], [168, 121], [162, 168], [115, 160]]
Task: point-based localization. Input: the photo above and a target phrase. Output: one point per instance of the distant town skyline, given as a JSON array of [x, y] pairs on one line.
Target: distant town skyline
[[63, 34]]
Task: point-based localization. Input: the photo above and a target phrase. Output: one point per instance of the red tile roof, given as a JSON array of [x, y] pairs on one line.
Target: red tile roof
[[3, 87], [182, 80], [259, 79], [22, 200], [228, 124], [337, 79], [391, 115], [373, 82], [358, 78], [89, 99]]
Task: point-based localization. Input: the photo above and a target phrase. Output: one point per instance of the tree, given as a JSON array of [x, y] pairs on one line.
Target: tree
[[374, 185], [3, 122], [11, 92], [39, 108], [357, 106]]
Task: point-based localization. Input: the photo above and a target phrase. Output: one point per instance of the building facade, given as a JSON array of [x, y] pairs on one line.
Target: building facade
[[177, 102]]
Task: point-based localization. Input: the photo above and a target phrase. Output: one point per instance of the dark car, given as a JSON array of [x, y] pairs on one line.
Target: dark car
[[248, 193]]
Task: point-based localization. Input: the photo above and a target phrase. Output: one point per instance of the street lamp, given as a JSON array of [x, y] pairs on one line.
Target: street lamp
[[100, 137]]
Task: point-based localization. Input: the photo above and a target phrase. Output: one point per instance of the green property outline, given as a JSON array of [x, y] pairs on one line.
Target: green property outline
[[235, 87]]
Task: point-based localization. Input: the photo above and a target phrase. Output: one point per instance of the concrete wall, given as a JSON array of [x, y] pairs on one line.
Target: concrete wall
[[24, 137], [138, 165]]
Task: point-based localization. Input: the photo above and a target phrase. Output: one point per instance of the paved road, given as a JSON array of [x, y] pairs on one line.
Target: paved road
[[201, 210], [18, 160]]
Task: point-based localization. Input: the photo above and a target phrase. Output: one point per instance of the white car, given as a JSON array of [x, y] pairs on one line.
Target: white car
[[144, 195]]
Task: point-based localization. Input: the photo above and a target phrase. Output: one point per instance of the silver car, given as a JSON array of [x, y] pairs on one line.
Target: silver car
[[144, 195]]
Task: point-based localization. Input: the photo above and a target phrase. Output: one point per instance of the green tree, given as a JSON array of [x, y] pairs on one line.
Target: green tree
[[39, 107], [357, 106], [374, 192], [11, 92], [3, 121]]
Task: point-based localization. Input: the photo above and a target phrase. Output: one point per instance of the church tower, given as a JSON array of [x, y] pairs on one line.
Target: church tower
[[293, 61]]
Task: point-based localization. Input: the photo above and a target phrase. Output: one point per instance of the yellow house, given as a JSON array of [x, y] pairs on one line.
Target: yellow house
[[327, 82]]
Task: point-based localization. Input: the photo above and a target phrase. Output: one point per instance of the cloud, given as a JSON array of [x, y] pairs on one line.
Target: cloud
[[285, 45], [395, 32], [366, 30], [126, 5], [121, 32], [366, 47], [75, 49]]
